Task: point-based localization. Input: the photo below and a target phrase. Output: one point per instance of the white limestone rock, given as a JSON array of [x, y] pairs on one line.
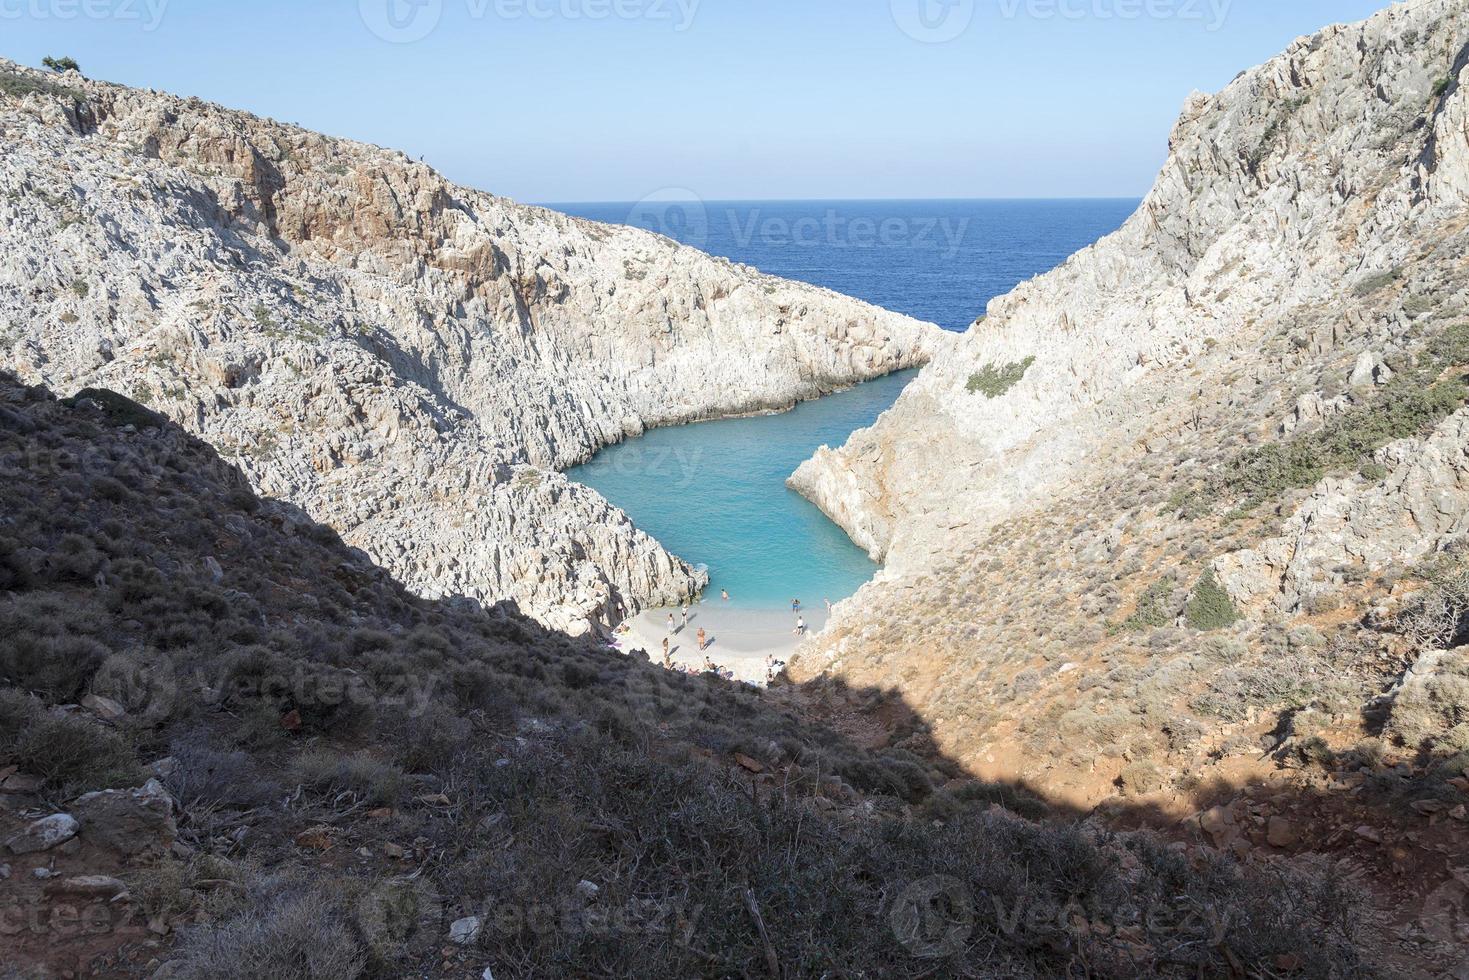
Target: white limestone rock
[[405, 359]]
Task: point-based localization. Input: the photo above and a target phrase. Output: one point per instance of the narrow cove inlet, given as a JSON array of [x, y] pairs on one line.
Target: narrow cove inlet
[[714, 493]]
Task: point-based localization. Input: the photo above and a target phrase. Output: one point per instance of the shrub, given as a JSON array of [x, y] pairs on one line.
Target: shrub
[[74, 755], [1426, 714], [1371, 284], [1140, 777], [202, 774], [1209, 608], [947, 804], [993, 381], [1154, 607], [18, 712], [56, 667], [1411, 404], [295, 932], [60, 64], [372, 780]]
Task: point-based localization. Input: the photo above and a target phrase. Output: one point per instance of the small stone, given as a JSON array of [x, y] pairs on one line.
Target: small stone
[[466, 930], [95, 886], [1280, 832], [291, 720], [21, 783], [44, 834], [1218, 823], [587, 890], [1368, 833], [394, 850], [1459, 813], [381, 813], [487, 975], [317, 838], [128, 821], [746, 762], [1429, 807], [104, 708]]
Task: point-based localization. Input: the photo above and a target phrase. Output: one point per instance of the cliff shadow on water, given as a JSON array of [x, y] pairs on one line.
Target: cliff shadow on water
[[356, 781]]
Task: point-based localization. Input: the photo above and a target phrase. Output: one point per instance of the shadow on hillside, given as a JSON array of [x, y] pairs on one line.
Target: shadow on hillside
[[302, 694]]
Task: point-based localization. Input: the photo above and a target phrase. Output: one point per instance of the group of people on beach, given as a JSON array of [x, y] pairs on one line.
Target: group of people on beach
[[677, 622]]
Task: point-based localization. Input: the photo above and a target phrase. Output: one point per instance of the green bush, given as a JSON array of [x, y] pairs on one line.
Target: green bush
[[1209, 608], [993, 381], [1372, 283], [60, 64], [1410, 405], [1154, 607]]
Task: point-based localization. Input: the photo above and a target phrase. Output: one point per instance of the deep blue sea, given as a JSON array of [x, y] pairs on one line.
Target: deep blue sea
[[714, 493], [940, 261]]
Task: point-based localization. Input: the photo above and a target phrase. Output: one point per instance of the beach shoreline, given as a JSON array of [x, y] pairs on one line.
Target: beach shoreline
[[740, 640]]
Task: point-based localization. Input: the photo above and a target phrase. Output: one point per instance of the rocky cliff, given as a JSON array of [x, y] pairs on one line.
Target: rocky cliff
[[406, 359], [1257, 381]]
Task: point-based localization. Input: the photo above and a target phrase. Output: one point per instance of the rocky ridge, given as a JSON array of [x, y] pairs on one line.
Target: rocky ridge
[[1052, 495], [408, 360]]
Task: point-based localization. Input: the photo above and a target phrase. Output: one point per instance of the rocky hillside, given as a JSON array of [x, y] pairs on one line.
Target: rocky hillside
[[406, 359], [1184, 510], [231, 747]]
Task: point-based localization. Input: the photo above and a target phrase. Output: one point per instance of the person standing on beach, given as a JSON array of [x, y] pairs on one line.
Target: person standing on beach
[[828, 606], [701, 639], [795, 605], [800, 629], [667, 659], [685, 617], [670, 622]]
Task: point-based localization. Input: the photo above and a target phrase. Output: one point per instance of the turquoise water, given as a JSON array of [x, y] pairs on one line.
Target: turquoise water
[[714, 494]]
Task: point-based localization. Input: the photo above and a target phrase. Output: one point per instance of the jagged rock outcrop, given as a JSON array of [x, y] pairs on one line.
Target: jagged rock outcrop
[[1350, 522], [404, 358], [1069, 461]]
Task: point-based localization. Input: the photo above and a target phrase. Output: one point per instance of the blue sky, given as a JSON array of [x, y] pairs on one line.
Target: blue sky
[[586, 100]]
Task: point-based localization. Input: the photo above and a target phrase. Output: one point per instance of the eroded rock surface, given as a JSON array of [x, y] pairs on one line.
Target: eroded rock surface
[[406, 359], [1054, 489]]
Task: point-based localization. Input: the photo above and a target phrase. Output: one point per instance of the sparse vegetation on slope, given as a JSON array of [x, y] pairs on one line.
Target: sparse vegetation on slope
[[993, 380], [360, 773], [1410, 404]]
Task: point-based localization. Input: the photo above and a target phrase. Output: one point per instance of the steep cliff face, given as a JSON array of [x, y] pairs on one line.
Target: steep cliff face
[[404, 358], [1162, 403]]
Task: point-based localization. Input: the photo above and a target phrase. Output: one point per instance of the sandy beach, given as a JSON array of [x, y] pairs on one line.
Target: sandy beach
[[738, 639]]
